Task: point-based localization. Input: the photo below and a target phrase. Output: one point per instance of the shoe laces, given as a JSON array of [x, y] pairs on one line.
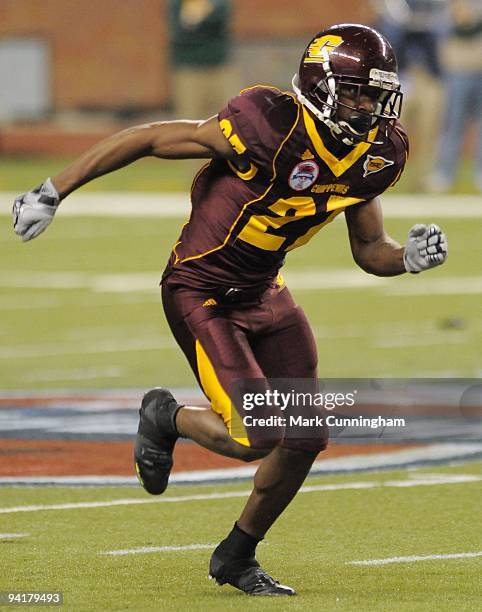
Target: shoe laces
[[153, 456], [263, 579]]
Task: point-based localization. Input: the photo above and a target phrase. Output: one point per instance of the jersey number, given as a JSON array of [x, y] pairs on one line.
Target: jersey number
[[265, 231]]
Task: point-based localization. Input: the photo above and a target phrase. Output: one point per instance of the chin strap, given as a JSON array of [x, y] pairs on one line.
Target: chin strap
[[323, 115]]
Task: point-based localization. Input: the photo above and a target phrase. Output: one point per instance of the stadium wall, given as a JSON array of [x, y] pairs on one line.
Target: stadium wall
[[107, 54]]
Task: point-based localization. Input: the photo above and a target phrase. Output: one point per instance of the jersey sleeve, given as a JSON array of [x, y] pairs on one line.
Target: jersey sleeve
[[257, 122], [402, 149]]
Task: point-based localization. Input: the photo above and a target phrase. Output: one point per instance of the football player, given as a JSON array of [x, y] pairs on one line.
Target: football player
[[282, 167]]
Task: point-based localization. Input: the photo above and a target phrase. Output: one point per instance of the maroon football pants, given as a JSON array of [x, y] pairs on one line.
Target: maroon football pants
[[269, 339]]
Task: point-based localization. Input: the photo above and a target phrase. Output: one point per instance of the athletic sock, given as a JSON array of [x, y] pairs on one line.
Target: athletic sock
[[174, 417], [237, 545]]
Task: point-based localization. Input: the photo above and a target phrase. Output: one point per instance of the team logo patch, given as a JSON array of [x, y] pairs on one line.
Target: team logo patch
[[375, 164], [303, 175]]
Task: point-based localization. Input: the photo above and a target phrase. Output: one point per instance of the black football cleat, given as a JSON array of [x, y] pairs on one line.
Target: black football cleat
[[155, 440], [247, 576]]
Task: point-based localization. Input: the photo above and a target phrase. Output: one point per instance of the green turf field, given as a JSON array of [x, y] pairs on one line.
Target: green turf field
[[310, 547], [80, 309]]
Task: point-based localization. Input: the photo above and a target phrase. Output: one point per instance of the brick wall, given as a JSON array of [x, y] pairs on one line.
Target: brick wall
[[113, 53], [105, 53]]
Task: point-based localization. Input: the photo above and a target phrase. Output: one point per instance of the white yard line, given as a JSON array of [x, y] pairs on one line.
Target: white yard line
[[117, 204], [412, 558], [349, 486], [132, 282], [154, 549], [124, 502], [395, 459], [57, 300], [188, 547], [468, 285], [423, 339], [10, 536], [311, 279], [419, 328], [347, 278], [302, 279], [177, 205], [45, 280], [119, 345]]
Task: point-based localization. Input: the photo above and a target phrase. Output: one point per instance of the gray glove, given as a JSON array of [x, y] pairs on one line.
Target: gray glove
[[426, 248], [33, 211]]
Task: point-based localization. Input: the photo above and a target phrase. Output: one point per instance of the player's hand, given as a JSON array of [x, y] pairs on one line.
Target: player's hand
[[33, 211], [426, 248]]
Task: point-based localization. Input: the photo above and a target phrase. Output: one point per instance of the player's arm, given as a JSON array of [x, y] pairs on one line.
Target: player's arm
[[34, 210], [165, 139], [377, 253], [373, 250]]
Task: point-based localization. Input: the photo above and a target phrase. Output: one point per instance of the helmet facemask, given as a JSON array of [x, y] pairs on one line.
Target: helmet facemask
[[341, 103]]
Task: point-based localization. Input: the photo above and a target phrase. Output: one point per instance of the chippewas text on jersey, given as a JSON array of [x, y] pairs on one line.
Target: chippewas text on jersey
[[291, 185]]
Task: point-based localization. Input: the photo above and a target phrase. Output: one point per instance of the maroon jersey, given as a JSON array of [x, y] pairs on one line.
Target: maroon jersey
[[242, 224]]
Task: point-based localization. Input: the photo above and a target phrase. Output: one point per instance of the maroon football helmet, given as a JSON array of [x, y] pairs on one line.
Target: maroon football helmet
[[348, 80]]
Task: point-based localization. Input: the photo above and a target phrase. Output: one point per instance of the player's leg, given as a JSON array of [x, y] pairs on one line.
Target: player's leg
[[206, 339], [204, 426], [288, 351], [162, 421], [217, 351]]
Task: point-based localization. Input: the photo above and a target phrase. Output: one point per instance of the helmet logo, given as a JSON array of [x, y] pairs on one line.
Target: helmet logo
[[320, 49], [375, 164], [303, 175]]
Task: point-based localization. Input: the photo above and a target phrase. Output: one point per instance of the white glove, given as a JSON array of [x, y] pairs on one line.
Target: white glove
[[426, 248], [33, 211]]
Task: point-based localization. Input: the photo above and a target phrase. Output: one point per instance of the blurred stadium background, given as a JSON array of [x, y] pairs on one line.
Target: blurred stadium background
[[81, 325]]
